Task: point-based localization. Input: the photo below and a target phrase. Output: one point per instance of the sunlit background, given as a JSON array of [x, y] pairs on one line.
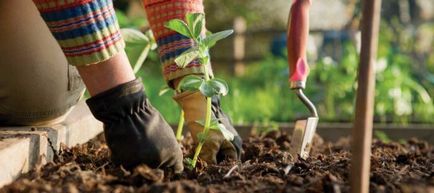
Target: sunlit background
[[253, 60]]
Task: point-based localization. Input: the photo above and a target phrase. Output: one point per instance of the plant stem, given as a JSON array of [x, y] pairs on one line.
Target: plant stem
[[207, 123], [208, 107], [180, 126], [205, 131], [196, 154]]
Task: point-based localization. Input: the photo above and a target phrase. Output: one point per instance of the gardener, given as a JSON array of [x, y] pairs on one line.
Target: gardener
[[37, 89]]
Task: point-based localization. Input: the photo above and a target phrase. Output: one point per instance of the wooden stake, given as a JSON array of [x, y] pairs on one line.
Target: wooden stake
[[362, 130], [239, 45]]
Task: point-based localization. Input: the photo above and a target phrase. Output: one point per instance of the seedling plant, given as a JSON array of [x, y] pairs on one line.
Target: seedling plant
[[192, 27]]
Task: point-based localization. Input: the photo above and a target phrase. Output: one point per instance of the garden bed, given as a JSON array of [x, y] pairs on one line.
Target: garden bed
[[396, 167]]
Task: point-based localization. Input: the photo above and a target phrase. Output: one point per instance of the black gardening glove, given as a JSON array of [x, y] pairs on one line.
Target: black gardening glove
[[134, 130]]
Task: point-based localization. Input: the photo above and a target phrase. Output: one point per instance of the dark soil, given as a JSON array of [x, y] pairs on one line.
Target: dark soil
[[396, 167]]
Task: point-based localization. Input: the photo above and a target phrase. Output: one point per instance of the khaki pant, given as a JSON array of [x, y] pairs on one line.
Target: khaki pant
[[36, 83]]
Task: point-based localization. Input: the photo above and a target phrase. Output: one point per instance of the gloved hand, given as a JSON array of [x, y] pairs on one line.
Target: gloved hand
[[216, 147], [134, 130]]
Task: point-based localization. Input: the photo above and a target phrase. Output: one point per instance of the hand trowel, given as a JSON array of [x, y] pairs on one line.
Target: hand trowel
[[298, 31]]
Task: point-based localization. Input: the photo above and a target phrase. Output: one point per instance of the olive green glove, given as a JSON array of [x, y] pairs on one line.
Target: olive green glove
[[216, 147], [134, 130]]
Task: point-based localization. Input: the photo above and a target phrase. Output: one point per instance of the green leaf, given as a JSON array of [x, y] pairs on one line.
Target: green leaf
[[186, 57], [207, 33], [137, 47], [131, 35], [220, 86], [195, 22], [179, 26], [210, 40], [201, 137], [164, 90], [215, 125], [212, 125], [214, 87], [201, 122], [189, 163], [207, 90], [191, 82], [188, 160], [226, 133], [204, 60]]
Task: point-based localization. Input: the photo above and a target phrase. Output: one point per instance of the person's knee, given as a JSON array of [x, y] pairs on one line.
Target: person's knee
[[31, 103], [36, 83]]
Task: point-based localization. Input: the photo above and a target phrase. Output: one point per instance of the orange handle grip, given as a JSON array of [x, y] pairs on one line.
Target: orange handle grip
[[298, 31]]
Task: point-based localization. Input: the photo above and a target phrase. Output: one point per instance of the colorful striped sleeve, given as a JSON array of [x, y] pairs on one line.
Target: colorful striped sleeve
[[86, 30], [170, 43]]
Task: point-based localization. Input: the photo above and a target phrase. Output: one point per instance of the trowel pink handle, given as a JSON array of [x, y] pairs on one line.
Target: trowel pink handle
[[298, 31]]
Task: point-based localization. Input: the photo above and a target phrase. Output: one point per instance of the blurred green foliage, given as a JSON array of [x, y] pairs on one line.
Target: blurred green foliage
[[126, 22], [404, 85], [382, 136], [262, 94]]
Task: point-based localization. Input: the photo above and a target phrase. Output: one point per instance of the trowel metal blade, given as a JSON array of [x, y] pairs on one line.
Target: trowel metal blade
[[302, 136]]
